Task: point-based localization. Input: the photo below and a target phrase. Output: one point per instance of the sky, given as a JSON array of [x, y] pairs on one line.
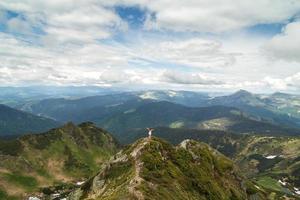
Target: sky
[[202, 45]]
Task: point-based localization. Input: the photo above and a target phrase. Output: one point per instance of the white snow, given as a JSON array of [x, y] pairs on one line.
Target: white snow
[[257, 187], [148, 95], [80, 183], [34, 198], [297, 191], [282, 182], [271, 157], [172, 93], [56, 195]]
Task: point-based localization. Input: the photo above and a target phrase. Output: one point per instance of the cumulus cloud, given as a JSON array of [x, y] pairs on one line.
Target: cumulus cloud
[[64, 21], [21, 62], [77, 42], [286, 45], [289, 83], [188, 78], [214, 15]]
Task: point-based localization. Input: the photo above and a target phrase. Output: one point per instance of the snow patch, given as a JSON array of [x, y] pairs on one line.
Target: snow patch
[[184, 143], [55, 195], [282, 182], [34, 198], [172, 93], [80, 183], [148, 95], [271, 156], [297, 191]]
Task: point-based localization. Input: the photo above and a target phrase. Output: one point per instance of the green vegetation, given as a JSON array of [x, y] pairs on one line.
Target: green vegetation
[[29, 183], [69, 153], [155, 169], [177, 124], [176, 169], [250, 152], [5, 196], [15, 122], [270, 183]]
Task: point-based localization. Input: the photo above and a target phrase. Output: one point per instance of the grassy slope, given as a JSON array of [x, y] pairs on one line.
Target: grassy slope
[[154, 169], [69, 153], [248, 151]]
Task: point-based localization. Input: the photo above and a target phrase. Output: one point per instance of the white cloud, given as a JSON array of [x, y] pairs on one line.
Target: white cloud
[[289, 83], [215, 15], [21, 62], [286, 45], [77, 46], [64, 21], [188, 78], [194, 52]]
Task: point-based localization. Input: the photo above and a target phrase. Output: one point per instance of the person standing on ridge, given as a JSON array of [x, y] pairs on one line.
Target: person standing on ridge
[[150, 131]]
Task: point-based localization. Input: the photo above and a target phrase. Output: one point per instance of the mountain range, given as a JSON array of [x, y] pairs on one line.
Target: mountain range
[[172, 115], [241, 112], [280, 108], [84, 162], [280, 103], [16, 122]]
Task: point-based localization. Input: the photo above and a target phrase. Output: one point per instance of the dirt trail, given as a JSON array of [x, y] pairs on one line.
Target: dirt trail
[[137, 180]]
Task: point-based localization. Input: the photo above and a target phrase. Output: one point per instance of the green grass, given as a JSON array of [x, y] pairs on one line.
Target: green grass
[[5, 196], [29, 183], [270, 183], [177, 124]]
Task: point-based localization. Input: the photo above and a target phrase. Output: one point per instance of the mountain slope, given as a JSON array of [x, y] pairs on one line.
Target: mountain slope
[[273, 162], [172, 115], [15, 122], [66, 154], [277, 108], [154, 169]]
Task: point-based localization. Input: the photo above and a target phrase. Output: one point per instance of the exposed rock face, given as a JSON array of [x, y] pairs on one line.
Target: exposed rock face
[[154, 169]]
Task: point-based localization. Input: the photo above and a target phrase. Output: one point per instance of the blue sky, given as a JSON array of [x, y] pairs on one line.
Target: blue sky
[[217, 45]]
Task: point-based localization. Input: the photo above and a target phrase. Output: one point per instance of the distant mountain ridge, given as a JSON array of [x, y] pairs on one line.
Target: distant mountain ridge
[[177, 116], [65, 110], [278, 108], [16, 122]]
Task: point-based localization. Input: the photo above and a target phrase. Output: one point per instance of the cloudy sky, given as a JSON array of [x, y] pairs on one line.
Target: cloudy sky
[[215, 45]]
